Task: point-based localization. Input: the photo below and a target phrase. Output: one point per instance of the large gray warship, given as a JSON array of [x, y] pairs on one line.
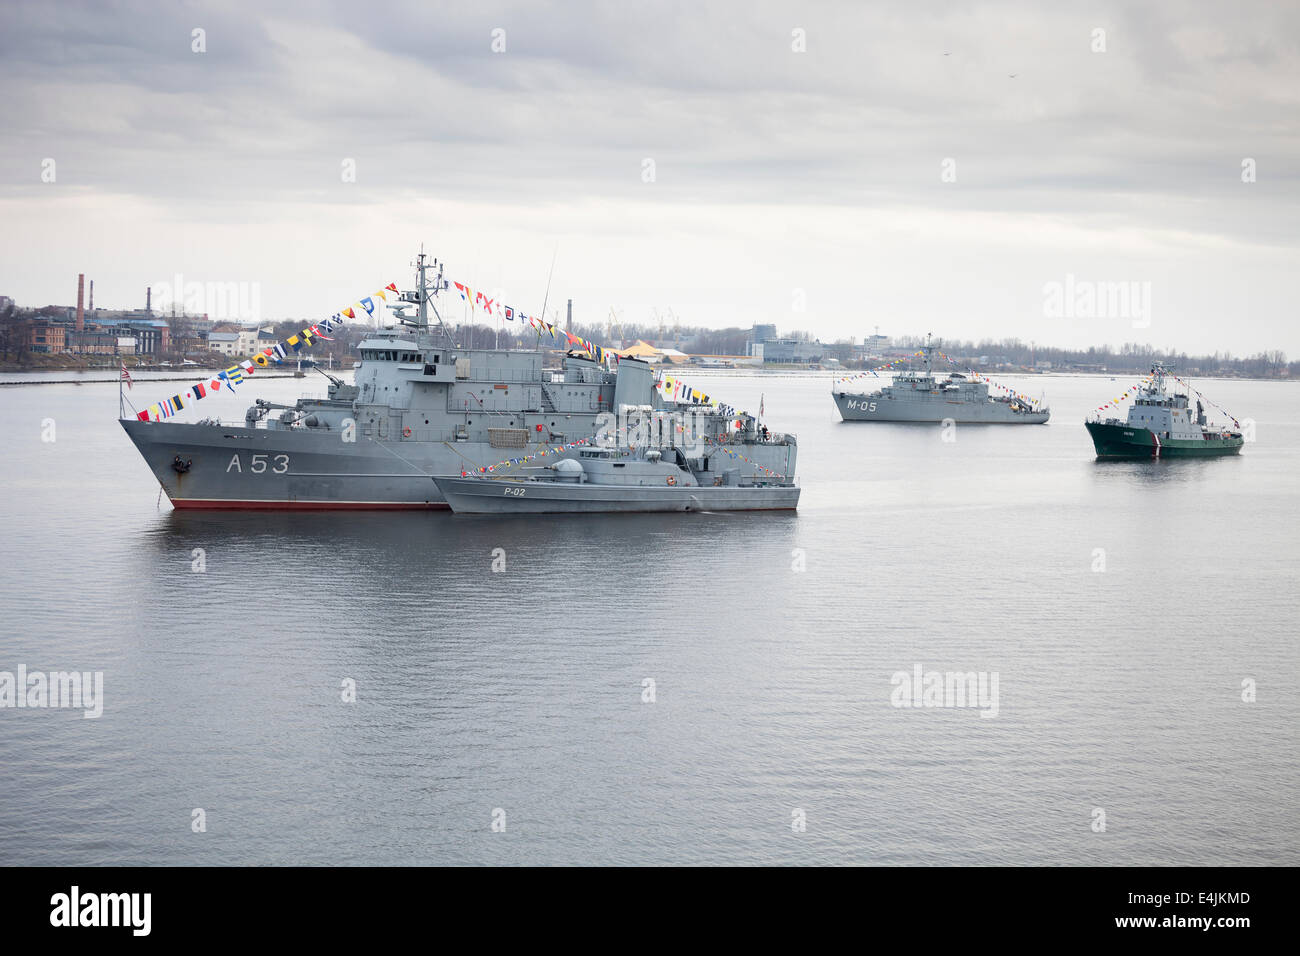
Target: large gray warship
[[612, 479], [421, 406], [918, 396]]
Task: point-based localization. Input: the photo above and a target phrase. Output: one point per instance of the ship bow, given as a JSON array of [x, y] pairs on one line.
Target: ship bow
[[1121, 441]]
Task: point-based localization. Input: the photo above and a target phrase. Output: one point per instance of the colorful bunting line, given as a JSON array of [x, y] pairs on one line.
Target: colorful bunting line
[[557, 449], [511, 462], [1033, 402], [1116, 402], [272, 355], [878, 368], [235, 375], [735, 454], [477, 300], [678, 391], [1205, 398], [1146, 383]]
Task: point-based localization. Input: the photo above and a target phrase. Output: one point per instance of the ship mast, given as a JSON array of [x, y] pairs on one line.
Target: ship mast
[[422, 298], [1158, 370]]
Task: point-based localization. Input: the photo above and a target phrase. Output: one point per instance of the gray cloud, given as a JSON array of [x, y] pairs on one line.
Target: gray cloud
[[1147, 137]]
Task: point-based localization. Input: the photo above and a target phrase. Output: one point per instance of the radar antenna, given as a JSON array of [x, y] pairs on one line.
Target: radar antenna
[[423, 298]]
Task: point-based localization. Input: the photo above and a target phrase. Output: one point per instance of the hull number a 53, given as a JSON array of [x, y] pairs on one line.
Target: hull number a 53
[[260, 464]]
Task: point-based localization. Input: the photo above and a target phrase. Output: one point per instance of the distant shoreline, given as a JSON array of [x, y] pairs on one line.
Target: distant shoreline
[[30, 375], [199, 373], [991, 373], [110, 381]]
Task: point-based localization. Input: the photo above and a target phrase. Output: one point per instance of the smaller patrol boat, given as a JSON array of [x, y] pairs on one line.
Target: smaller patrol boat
[[1160, 425], [609, 479]]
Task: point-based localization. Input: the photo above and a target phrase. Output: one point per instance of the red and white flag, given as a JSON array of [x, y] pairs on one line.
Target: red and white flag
[[126, 376]]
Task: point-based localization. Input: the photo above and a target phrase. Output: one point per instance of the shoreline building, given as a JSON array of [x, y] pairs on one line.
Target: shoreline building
[[758, 336], [792, 351], [84, 329], [37, 335]]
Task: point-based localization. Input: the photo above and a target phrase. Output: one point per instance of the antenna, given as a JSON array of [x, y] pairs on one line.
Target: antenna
[[427, 295], [423, 298], [615, 319], [547, 297]]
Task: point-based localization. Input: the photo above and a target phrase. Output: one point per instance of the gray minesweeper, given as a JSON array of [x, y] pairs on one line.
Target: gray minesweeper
[[606, 479], [420, 406], [917, 396]]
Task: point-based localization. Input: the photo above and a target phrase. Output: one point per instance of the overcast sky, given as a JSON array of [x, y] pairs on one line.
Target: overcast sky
[[801, 187]]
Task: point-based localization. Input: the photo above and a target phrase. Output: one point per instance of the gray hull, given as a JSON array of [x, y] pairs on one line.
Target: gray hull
[[933, 410], [240, 468], [489, 496], [251, 468]]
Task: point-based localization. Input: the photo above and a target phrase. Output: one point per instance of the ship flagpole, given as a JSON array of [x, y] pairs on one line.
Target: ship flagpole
[[122, 376], [547, 297]]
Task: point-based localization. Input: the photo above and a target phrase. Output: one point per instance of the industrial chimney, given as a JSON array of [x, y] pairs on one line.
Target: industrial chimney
[[148, 300], [90, 307], [568, 324], [81, 298]]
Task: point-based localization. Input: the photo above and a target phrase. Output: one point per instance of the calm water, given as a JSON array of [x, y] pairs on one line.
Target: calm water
[[521, 690]]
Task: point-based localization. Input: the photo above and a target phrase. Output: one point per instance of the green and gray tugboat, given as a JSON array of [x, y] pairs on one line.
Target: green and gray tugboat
[[1161, 425]]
